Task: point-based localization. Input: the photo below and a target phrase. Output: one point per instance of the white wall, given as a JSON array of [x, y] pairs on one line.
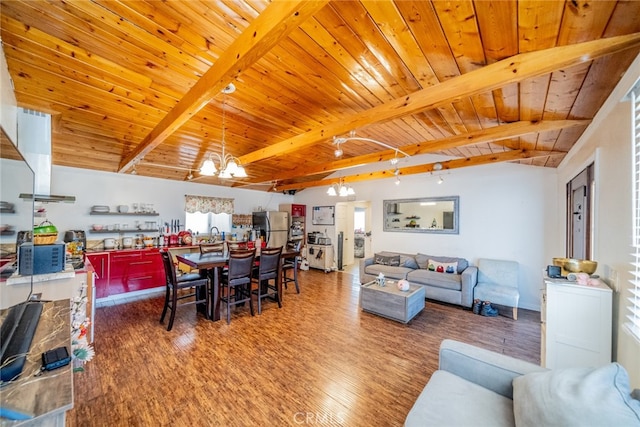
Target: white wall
[[8, 104], [104, 188], [504, 214], [607, 142]]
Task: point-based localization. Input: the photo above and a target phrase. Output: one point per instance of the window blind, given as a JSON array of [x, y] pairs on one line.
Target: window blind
[[633, 306]]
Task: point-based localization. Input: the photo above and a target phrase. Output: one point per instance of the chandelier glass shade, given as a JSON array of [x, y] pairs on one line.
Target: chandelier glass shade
[[229, 165], [340, 189]]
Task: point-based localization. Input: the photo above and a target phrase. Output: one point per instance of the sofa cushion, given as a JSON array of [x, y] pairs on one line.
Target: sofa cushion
[[443, 267], [575, 396], [423, 261], [393, 260], [449, 400], [433, 278], [406, 260], [390, 272]]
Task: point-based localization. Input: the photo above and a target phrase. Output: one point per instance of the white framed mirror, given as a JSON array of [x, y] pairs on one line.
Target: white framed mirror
[[438, 215]]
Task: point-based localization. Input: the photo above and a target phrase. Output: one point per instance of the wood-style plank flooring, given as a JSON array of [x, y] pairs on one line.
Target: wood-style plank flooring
[[317, 360]]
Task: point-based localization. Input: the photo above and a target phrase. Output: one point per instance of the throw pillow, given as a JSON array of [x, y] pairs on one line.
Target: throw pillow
[[387, 260], [575, 396], [443, 267], [422, 260], [410, 262]]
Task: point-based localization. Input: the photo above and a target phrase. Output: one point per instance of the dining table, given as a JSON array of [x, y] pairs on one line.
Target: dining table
[[213, 264]]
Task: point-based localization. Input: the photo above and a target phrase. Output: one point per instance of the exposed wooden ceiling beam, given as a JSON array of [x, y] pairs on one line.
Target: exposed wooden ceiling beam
[[485, 79], [277, 21], [506, 156], [510, 130]]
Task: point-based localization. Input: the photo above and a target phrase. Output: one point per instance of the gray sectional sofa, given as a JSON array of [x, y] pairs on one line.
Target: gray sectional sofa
[[477, 387], [453, 284]]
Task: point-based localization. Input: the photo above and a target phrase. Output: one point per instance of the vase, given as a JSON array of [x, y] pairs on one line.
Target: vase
[[78, 365]]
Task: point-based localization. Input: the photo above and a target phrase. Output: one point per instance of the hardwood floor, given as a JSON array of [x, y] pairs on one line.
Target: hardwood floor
[[317, 360]]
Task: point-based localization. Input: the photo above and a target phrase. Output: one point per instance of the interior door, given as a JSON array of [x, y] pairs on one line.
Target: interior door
[[579, 215], [578, 200], [344, 223]]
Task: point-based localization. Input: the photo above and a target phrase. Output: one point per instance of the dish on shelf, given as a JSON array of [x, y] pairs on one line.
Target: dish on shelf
[[123, 208], [100, 208], [97, 227]]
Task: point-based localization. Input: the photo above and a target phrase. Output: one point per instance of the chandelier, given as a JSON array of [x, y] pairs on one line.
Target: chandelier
[[340, 189], [229, 165]]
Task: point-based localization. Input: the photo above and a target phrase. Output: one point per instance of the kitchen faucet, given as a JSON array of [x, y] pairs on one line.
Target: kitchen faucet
[[211, 238]]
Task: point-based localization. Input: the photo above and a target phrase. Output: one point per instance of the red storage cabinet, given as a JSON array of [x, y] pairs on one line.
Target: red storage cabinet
[[127, 271], [100, 263], [298, 210], [135, 270]]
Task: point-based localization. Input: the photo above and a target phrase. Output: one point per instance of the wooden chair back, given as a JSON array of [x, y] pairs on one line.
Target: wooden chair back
[[269, 263], [212, 248]]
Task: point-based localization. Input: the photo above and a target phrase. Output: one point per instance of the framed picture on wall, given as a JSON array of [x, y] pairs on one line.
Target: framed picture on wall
[[323, 215]]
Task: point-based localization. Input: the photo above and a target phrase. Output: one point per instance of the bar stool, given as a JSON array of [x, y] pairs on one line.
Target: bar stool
[[199, 293], [291, 264]]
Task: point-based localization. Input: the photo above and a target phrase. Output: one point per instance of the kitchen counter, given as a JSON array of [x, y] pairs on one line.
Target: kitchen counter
[[53, 286], [46, 397], [96, 251]]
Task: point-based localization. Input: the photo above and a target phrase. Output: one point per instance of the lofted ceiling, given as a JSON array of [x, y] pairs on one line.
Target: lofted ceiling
[[137, 85]]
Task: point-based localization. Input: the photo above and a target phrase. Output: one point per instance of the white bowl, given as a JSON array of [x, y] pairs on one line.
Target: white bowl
[[98, 227], [123, 208]]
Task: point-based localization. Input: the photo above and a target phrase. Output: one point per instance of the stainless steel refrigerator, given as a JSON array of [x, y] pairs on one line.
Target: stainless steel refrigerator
[[273, 226]]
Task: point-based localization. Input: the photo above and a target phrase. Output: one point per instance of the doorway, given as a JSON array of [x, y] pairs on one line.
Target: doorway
[[356, 240], [580, 214]]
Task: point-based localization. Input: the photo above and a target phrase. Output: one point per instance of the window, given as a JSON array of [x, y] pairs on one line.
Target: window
[[203, 213], [633, 307], [202, 223]]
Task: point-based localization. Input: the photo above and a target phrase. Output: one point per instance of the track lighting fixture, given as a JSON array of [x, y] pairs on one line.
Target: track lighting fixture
[[337, 140]]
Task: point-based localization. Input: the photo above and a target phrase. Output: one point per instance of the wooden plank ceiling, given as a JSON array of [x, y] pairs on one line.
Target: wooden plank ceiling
[[137, 85]]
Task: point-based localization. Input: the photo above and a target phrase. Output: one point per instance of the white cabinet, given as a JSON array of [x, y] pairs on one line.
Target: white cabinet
[[320, 257], [576, 324]]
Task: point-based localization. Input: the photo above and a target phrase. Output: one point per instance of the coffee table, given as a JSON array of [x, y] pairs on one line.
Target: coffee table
[[390, 302]]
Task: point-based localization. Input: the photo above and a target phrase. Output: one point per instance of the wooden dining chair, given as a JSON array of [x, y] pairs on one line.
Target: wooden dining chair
[[267, 276], [176, 287], [237, 246], [236, 280], [212, 248]]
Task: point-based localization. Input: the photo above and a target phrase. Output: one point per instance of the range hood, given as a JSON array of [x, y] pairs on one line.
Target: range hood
[[51, 198], [34, 142]]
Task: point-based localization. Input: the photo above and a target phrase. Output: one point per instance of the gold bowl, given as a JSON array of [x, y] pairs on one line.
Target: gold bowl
[[580, 266], [559, 262]]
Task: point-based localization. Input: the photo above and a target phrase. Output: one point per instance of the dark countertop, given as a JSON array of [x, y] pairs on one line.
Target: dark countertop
[[48, 396]]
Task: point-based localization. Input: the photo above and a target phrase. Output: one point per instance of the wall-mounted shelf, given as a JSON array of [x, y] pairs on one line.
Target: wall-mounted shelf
[[7, 232], [135, 230], [7, 211], [125, 214]]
